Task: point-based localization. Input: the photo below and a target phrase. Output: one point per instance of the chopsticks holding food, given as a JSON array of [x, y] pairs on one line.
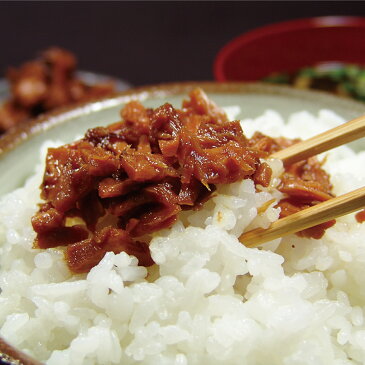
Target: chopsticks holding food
[[306, 218], [320, 213]]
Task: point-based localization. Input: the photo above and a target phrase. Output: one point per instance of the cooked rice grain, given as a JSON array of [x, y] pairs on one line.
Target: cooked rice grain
[[210, 300]]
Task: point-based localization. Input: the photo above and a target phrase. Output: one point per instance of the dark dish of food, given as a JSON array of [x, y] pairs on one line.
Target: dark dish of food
[[338, 78], [44, 84], [119, 184]]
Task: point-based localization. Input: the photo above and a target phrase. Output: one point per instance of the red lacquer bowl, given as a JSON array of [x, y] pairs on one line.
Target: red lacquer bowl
[[288, 46]]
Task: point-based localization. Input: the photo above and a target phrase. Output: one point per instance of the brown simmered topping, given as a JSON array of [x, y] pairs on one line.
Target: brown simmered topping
[[119, 184], [360, 216], [44, 84], [304, 183]]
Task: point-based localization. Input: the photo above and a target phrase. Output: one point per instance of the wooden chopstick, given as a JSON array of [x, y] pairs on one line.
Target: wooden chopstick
[[345, 133], [306, 218], [330, 209]]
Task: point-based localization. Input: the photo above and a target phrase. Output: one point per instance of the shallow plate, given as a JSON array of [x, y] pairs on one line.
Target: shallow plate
[[19, 150], [90, 78]]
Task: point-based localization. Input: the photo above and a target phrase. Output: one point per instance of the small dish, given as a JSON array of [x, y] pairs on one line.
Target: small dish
[[291, 45]]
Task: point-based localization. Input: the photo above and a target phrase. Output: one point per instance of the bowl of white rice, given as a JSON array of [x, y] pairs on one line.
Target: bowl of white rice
[[208, 299]]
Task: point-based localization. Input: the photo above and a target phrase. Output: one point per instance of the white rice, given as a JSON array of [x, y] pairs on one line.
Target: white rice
[[210, 300]]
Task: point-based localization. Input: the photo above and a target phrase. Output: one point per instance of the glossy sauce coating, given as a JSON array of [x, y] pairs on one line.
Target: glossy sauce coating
[[114, 188], [304, 183], [360, 216]]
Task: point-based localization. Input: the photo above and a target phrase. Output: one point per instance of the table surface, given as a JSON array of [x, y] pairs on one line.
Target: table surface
[[144, 42]]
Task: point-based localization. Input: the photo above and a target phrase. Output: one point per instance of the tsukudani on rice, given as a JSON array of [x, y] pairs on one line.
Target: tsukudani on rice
[[207, 299]]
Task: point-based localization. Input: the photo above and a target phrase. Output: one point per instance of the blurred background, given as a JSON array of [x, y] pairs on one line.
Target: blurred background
[[144, 42]]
